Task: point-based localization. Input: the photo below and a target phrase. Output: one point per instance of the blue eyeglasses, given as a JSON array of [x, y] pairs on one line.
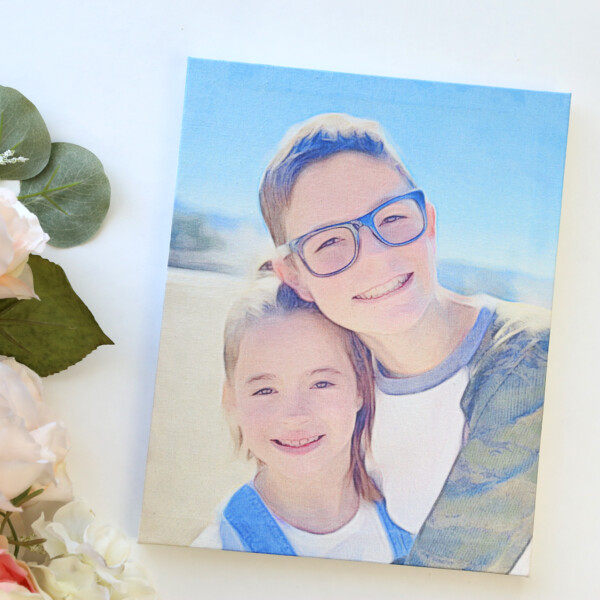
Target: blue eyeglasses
[[332, 249]]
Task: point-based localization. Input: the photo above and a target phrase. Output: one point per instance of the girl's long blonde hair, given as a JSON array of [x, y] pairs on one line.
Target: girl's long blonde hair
[[269, 298]]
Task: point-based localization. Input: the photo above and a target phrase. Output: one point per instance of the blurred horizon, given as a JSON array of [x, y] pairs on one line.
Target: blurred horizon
[[491, 160], [237, 247]]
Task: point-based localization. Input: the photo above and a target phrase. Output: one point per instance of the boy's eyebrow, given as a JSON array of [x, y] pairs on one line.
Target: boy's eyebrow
[[375, 204], [260, 377]]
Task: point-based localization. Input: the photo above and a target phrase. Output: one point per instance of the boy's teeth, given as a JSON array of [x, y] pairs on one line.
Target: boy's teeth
[[386, 288], [298, 443]]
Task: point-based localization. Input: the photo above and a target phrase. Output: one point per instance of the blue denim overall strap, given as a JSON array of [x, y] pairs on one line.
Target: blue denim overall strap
[[254, 524], [400, 540], [258, 531]]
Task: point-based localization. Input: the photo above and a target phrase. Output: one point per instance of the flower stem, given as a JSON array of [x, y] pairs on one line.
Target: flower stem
[[22, 499], [14, 533], [6, 516]]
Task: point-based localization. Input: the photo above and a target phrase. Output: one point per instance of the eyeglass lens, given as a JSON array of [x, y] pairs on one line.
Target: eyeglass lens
[[334, 249]]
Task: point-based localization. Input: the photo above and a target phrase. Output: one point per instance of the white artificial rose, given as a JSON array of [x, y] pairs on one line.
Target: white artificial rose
[[20, 236], [74, 533], [33, 444]]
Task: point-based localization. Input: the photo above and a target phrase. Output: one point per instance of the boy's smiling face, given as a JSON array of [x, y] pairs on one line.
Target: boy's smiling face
[[387, 289]]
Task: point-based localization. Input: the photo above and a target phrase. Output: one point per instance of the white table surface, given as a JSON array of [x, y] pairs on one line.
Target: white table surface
[[110, 76]]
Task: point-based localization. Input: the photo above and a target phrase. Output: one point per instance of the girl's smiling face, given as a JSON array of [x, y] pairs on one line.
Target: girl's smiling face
[[387, 289], [294, 395]]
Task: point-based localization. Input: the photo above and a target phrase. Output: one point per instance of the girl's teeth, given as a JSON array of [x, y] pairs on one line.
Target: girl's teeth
[[298, 443], [382, 290]]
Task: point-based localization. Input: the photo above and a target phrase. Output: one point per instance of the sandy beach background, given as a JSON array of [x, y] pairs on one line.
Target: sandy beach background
[[192, 465]]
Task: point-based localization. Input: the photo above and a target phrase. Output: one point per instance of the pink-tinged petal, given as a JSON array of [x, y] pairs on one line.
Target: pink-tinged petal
[[6, 504], [30, 379], [20, 236], [13, 287], [6, 247], [12, 571], [61, 490], [33, 444], [23, 227]]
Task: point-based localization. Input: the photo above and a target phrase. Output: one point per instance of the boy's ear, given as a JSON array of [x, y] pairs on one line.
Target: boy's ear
[[431, 217], [288, 272]]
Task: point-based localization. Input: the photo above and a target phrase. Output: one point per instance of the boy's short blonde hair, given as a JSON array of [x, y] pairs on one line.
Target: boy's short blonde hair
[[276, 300], [313, 140]]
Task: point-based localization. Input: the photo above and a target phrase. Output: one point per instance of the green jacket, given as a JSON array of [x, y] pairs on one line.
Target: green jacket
[[483, 518]]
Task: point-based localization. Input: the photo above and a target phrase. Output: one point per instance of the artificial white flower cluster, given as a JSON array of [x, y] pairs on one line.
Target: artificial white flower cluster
[[8, 158], [94, 557]]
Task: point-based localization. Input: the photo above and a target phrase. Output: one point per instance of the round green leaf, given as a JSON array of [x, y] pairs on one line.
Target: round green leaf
[[23, 131], [70, 196]]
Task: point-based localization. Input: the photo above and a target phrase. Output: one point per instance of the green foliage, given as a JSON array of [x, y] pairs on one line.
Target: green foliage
[[22, 130], [192, 232], [70, 196], [64, 323]]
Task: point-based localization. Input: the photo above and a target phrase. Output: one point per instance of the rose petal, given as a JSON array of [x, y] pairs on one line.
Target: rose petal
[[23, 228], [6, 247], [13, 287], [30, 379], [12, 571], [20, 236], [61, 490], [32, 442]]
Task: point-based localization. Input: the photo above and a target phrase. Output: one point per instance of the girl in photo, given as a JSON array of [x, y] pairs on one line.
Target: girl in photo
[[299, 397]]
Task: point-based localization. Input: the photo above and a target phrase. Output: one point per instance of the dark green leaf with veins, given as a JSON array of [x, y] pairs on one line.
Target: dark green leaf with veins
[[70, 196], [51, 334], [23, 131]]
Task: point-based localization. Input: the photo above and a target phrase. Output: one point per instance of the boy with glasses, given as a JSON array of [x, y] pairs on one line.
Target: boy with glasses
[[460, 380]]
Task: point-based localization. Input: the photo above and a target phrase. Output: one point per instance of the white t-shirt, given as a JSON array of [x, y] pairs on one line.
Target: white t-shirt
[[362, 538], [416, 439], [419, 430]]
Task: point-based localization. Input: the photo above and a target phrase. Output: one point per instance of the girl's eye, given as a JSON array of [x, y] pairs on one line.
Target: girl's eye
[[321, 385], [264, 392]]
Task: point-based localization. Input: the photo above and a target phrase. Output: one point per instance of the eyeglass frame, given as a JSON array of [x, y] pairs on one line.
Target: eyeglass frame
[[297, 244]]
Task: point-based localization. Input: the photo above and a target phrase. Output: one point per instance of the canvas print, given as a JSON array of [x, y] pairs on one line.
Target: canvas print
[[357, 314]]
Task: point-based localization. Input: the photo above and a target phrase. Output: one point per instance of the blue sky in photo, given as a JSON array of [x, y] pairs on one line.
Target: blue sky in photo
[[491, 160]]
